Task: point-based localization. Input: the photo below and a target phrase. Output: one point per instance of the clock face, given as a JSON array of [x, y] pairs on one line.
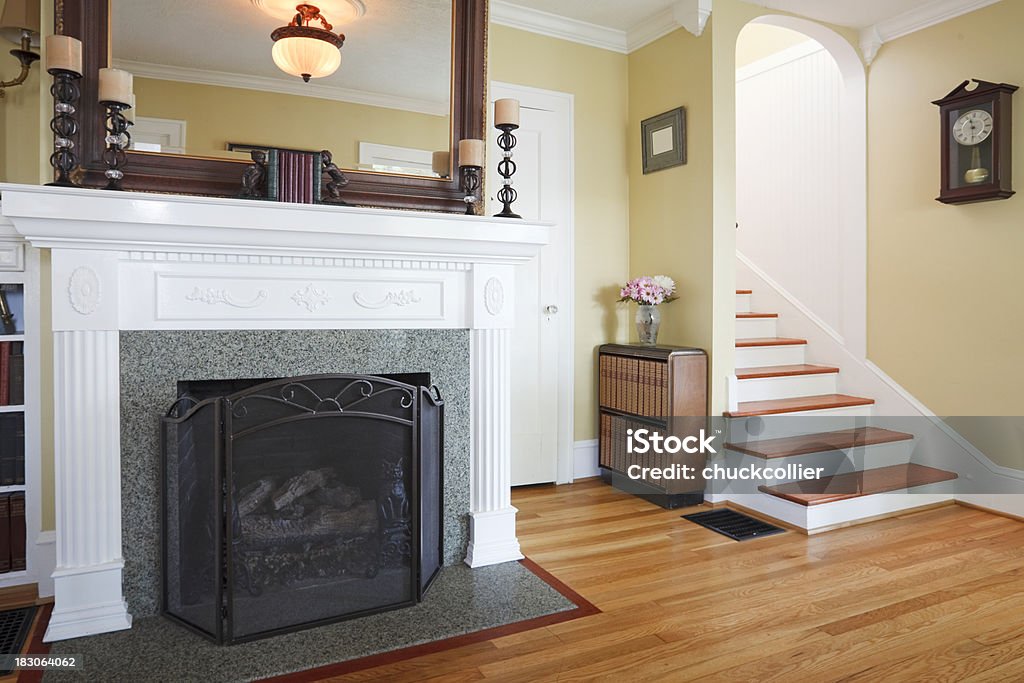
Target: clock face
[[973, 127]]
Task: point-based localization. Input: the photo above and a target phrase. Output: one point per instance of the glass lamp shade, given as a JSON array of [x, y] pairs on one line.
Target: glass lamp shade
[[306, 57], [18, 16]]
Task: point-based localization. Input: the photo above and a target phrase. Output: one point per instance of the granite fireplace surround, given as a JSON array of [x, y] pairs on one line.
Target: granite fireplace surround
[[147, 290], [152, 362]]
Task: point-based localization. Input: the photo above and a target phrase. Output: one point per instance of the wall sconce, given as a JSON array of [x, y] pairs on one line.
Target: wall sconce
[[304, 50], [20, 25]]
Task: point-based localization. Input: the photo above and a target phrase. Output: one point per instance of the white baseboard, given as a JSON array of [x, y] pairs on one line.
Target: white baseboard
[[46, 562], [585, 459]]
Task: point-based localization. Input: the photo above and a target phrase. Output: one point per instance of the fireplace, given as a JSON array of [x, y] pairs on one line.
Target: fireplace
[[133, 274], [300, 501]]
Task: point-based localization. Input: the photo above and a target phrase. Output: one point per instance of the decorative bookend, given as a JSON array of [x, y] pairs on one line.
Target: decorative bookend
[[331, 191]]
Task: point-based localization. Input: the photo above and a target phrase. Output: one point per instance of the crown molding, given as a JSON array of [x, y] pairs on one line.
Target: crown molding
[[225, 79], [555, 26], [689, 14], [873, 37]]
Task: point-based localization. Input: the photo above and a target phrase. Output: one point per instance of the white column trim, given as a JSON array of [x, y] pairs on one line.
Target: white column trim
[[87, 580], [492, 517]]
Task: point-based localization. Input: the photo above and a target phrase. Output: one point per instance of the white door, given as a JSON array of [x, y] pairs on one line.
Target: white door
[[542, 379]]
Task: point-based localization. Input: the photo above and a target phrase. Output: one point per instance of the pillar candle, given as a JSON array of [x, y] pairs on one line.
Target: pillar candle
[[130, 113], [471, 153], [115, 86], [506, 112], [64, 52], [442, 163]]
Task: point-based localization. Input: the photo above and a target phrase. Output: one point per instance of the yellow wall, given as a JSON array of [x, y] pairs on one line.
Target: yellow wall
[[764, 40], [945, 318], [670, 211], [598, 79], [217, 115]]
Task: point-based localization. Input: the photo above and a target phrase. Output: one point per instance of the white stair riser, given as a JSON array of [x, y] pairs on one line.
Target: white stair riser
[[742, 303], [822, 517], [767, 388], [759, 356], [795, 424], [747, 328]]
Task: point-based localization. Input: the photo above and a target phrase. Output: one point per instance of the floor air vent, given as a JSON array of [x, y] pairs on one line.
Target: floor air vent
[[738, 527], [14, 628]]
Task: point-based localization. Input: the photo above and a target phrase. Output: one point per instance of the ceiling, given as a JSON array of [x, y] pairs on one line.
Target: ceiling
[[400, 49], [622, 16]]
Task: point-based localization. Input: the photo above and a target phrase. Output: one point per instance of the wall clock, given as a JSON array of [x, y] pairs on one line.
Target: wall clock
[[976, 142]]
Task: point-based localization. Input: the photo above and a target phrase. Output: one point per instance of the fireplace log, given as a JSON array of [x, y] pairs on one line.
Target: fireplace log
[[300, 485], [340, 497], [322, 524], [253, 496]]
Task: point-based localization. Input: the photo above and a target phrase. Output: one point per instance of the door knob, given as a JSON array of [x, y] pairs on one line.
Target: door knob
[[551, 310]]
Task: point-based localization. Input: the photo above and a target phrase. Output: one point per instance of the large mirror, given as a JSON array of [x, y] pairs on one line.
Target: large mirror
[[386, 109], [209, 89]]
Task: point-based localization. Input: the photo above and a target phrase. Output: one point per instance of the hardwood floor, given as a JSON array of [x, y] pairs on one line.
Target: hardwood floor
[[936, 596]]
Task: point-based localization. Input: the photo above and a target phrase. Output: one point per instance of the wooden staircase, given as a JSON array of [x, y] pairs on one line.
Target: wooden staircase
[[775, 379]]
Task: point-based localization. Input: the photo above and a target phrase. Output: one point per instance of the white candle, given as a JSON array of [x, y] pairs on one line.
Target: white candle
[[506, 112], [130, 113], [65, 53], [115, 86], [441, 162], [471, 153]]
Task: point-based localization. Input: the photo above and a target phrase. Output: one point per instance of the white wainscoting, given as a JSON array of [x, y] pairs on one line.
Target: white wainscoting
[[788, 179]]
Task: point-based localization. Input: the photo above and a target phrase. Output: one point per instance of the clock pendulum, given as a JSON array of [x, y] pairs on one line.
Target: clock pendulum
[[970, 130]]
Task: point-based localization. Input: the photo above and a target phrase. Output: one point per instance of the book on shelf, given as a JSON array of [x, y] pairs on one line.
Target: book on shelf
[[12, 449], [16, 374], [5, 373], [5, 533], [17, 533]]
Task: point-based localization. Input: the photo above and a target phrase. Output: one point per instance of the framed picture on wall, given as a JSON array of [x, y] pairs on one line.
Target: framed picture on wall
[[664, 140]]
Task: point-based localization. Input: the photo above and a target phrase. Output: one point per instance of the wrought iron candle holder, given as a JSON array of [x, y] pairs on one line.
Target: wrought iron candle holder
[[118, 139], [506, 169], [470, 187], [65, 91]]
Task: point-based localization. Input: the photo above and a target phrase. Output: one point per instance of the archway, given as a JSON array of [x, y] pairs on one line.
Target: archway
[[844, 162]]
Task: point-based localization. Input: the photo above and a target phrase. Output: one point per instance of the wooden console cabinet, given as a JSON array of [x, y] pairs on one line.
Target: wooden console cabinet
[[658, 388]]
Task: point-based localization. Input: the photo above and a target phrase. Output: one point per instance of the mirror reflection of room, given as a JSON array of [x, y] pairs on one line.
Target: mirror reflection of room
[[386, 107]]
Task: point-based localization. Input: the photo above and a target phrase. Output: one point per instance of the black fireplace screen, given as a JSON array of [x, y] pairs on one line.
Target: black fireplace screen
[[301, 501]]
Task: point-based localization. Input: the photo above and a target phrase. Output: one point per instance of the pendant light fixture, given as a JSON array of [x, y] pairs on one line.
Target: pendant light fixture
[[304, 50]]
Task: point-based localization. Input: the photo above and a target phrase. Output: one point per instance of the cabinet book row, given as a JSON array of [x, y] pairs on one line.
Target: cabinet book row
[[634, 385]]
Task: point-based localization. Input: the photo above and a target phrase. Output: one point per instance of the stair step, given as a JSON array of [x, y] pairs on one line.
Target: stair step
[[744, 291], [858, 484], [798, 405], [743, 315], [768, 341], [818, 443], [784, 371]]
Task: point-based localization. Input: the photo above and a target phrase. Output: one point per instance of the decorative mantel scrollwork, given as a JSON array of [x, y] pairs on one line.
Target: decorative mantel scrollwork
[[403, 297], [213, 296]]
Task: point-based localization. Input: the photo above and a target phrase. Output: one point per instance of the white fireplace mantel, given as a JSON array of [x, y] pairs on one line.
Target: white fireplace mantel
[[132, 261]]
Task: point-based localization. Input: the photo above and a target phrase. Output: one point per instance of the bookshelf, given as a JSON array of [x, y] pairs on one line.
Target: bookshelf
[[658, 388], [19, 411]]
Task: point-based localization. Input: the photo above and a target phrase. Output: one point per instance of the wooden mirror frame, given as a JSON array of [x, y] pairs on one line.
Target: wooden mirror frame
[[89, 21]]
